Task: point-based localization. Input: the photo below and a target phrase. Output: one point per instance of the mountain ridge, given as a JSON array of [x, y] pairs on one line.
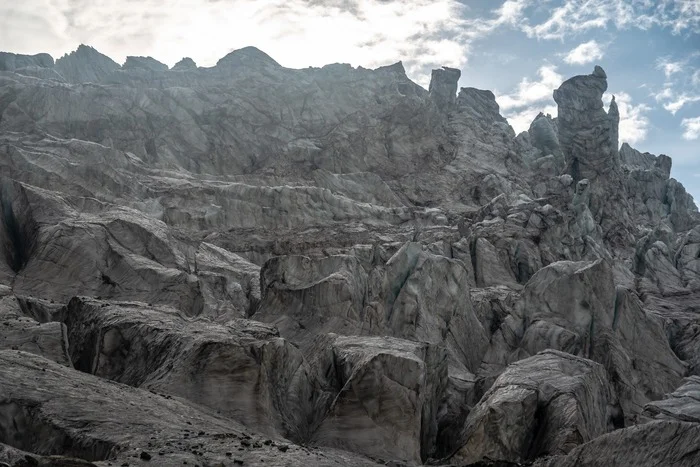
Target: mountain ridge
[[334, 266]]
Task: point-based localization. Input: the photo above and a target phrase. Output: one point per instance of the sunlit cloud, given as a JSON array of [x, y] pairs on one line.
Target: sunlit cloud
[[588, 52], [530, 97], [634, 119], [576, 17], [691, 128]]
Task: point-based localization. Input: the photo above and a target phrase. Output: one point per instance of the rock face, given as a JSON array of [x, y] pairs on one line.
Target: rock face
[[443, 86], [247, 264], [12, 62], [20, 332], [241, 369], [144, 63], [85, 65], [655, 443], [583, 124], [185, 64], [49, 408], [680, 405], [387, 407]]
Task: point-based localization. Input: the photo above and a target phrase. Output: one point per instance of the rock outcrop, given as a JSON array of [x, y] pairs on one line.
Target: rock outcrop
[[544, 405], [241, 369], [387, 406], [49, 408], [443, 86], [85, 65], [587, 134], [655, 443], [12, 62]]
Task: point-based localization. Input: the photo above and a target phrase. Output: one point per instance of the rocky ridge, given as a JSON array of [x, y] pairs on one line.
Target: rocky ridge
[[247, 264]]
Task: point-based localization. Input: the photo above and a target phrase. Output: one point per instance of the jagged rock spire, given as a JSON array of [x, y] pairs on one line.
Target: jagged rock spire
[[588, 135], [443, 87]]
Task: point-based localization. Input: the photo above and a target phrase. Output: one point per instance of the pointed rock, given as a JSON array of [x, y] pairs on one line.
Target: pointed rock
[[480, 104], [85, 65], [185, 64], [443, 87], [588, 135]]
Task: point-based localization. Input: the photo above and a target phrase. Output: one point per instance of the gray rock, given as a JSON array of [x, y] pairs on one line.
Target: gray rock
[[85, 65], [583, 123], [304, 297], [184, 65], [544, 133], [650, 444], [550, 403], [230, 284], [144, 63], [479, 103], [574, 307], [241, 369], [248, 226], [387, 407], [683, 404], [419, 309], [50, 408], [12, 62], [19, 332], [246, 57], [443, 87]]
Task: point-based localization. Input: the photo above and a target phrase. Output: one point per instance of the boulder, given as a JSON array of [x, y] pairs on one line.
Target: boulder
[[575, 307], [543, 405]]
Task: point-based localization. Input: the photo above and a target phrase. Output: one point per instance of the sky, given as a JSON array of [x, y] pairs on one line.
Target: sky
[[520, 49]]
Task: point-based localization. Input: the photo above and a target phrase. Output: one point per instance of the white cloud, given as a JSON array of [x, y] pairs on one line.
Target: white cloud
[[585, 53], [520, 120], [691, 128], [530, 97], [678, 102], [634, 123], [664, 95], [682, 84], [670, 67], [573, 17], [529, 92]]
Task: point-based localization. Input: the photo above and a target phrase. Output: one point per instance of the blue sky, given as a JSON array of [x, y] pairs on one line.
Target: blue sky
[[520, 49]]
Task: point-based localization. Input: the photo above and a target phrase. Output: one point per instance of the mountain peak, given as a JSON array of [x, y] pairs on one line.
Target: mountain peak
[[247, 56]]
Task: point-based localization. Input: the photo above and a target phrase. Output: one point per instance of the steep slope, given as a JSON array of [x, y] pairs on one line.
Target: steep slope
[[333, 266]]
